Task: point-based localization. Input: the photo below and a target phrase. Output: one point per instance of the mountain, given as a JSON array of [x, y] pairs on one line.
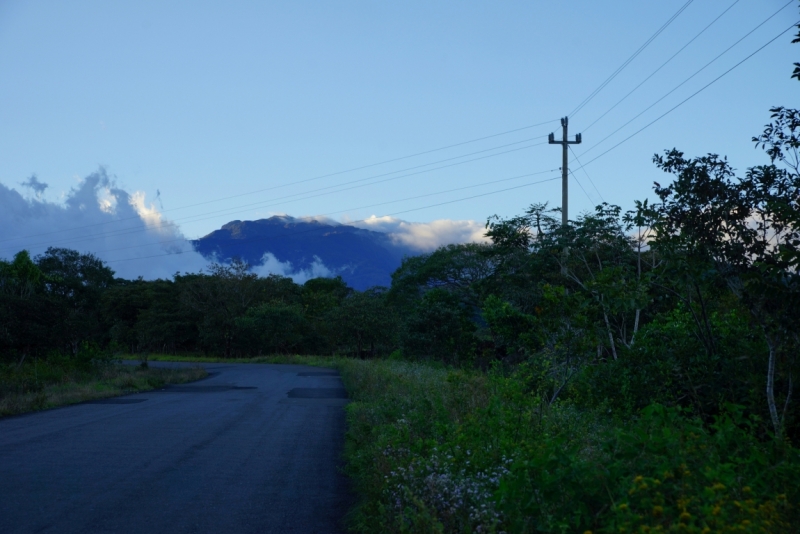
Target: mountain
[[363, 258]]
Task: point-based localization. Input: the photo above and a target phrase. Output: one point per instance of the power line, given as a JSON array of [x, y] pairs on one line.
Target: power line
[[662, 65], [586, 173], [301, 181], [129, 230], [693, 75], [627, 61], [691, 96], [368, 206], [363, 220], [581, 186]]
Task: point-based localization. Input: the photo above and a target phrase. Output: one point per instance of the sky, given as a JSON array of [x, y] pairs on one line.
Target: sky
[[198, 113]]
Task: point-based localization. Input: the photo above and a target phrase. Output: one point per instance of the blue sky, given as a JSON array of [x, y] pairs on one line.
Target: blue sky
[[207, 100]]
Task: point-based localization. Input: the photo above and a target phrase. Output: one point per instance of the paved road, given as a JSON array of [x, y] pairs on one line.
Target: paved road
[[252, 448]]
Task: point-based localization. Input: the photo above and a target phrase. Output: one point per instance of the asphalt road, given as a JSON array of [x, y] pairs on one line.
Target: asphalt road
[[252, 448]]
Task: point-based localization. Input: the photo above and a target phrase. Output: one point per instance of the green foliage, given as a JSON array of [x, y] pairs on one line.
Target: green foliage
[[38, 383], [749, 230], [363, 324], [441, 450], [440, 328], [272, 328], [668, 365]]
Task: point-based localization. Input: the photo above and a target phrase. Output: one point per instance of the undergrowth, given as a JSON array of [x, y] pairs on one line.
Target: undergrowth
[[320, 361], [443, 450], [58, 380]]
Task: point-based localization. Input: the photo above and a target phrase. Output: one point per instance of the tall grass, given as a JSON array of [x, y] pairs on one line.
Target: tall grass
[[442, 450], [295, 359], [56, 381]]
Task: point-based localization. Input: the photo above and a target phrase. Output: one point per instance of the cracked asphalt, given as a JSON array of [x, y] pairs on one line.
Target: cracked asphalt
[[252, 448]]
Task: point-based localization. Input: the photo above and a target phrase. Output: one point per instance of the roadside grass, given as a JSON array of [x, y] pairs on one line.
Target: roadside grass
[[42, 384], [295, 359], [432, 449]]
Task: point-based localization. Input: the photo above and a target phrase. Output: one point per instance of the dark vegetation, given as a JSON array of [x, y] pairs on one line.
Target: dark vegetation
[[632, 372]]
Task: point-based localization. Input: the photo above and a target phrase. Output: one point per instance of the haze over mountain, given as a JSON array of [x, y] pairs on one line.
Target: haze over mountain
[[362, 257]]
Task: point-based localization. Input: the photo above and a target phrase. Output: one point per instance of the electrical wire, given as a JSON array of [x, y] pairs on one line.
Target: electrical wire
[[586, 173], [628, 61], [356, 221], [299, 182], [692, 76], [367, 206], [691, 96], [580, 185], [662, 65], [260, 205]]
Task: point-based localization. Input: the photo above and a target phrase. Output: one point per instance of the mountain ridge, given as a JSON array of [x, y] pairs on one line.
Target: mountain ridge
[[363, 258]]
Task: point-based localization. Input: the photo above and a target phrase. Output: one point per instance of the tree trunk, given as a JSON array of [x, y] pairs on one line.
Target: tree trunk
[[610, 336], [773, 411]]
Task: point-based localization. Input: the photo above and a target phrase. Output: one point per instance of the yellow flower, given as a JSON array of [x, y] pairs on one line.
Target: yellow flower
[[747, 489], [716, 510], [718, 487], [637, 479], [623, 506], [685, 516], [658, 510]]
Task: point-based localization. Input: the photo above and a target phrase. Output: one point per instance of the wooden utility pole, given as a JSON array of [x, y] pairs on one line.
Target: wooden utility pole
[[564, 168]]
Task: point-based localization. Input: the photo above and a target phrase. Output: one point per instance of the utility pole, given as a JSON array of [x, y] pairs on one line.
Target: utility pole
[[565, 142], [564, 168]]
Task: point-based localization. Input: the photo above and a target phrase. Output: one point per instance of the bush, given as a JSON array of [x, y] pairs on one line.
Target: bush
[[668, 365], [439, 450]]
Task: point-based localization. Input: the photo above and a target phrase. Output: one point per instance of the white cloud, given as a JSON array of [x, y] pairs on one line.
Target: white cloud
[[425, 237], [272, 265], [99, 218]]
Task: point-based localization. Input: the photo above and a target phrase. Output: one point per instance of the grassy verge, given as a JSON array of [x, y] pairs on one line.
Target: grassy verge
[[438, 450], [38, 385], [317, 361]]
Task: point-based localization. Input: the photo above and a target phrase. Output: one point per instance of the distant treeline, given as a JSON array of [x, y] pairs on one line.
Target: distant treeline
[[63, 300]]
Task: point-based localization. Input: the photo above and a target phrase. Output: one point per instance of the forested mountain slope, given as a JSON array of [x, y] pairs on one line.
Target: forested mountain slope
[[363, 258]]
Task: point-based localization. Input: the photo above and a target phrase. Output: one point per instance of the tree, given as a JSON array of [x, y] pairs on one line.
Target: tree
[[220, 297], [76, 282], [460, 269], [749, 229], [441, 327], [595, 254], [273, 328], [26, 320], [362, 320]]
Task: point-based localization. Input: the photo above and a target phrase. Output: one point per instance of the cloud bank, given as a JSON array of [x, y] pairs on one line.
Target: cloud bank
[[426, 237], [135, 239], [272, 265], [100, 218]]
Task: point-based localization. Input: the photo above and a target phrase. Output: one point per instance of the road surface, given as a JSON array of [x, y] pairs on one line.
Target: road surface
[[252, 448]]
